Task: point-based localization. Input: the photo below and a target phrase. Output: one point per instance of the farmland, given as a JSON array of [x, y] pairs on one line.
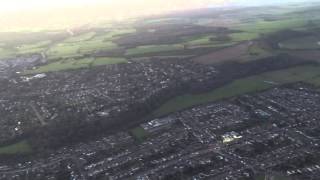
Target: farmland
[[139, 133], [79, 38], [34, 48], [71, 64], [243, 36], [22, 147], [202, 40], [80, 45], [301, 43], [6, 53], [266, 27], [226, 54], [108, 60], [209, 94], [62, 46], [153, 49], [309, 74]]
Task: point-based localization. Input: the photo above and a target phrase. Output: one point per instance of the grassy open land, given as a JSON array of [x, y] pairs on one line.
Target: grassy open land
[[217, 45], [33, 48], [242, 52], [113, 34], [34, 45], [301, 43], [6, 53], [108, 60], [71, 47], [265, 27], [206, 41], [189, 43], [253, 30], [237, 87], [22, 147], [164, 20], [69, 50], [62, 65], [255, 52], [63, 51], [139, 133], [153, 49], [310, 74], [70, 64], [92, 46], [243, 36], [79, 38], [119, 32], [198, 40], [86, 44]]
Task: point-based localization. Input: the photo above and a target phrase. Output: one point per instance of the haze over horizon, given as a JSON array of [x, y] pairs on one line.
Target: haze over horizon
[[39, 14]]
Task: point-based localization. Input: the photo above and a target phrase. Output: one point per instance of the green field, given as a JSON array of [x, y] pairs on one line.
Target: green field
[[243, 36], [79, 38], [202, 40], [62, 65], [67, 50], [218, 45], [92, 46], [254, 29], [70, 47], [115, 33], [250, 84], [140, 50], [139, 133], [265, 27], [22, 147], [63, 51], [302, 43], [71, 64], [33, 48], [163, 20], [7, 53], [108, 60], [255, 52]]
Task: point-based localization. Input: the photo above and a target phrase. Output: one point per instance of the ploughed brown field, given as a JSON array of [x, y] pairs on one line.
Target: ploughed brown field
[[227, 54], [307, 54]]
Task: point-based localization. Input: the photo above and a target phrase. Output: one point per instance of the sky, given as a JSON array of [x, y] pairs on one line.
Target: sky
[[19, 5], [50, 13], [22, 5]]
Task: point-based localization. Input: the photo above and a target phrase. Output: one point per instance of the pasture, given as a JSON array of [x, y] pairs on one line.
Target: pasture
[[22, 147], [71, 64], [139, 133], [6, 53], [79, 38], [301, 43], [309, 74], [266, 27], [223, 55], [140, 50], [77, 49], [243, 36], [37, 47]]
